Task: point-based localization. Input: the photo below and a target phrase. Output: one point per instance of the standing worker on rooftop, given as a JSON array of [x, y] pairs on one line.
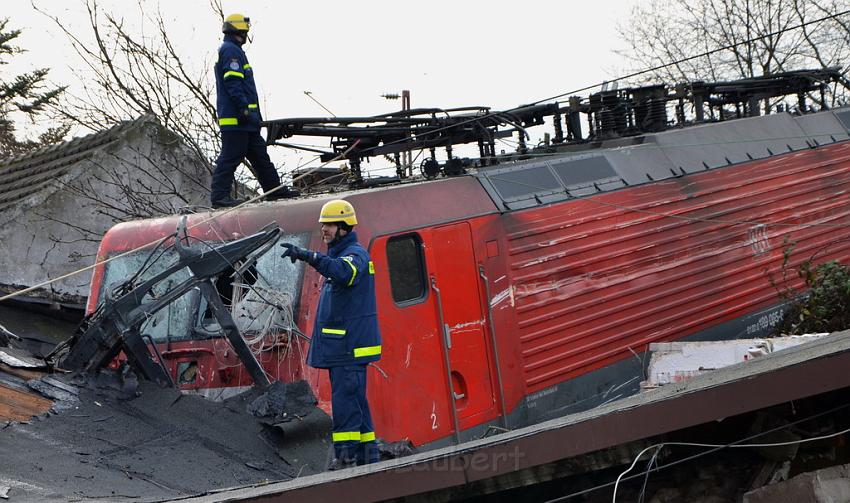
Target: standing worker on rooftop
[[345, 334], [239, 119]]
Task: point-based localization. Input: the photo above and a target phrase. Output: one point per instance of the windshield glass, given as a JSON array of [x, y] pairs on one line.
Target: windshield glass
[[262, 299]]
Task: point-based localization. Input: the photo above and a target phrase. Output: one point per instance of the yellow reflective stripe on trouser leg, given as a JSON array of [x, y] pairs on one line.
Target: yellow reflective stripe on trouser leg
[[335, 331], [371, 267], [353, 271], [367, 351], [367, 437], [228, 121], [231, 73], [346, 436]]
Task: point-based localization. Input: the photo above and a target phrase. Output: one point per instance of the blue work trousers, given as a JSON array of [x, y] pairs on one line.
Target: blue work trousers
[[353, 432], [235, 146]]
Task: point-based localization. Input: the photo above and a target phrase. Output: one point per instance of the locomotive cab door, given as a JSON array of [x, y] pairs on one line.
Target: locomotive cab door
[[433, 329], [461, 322]]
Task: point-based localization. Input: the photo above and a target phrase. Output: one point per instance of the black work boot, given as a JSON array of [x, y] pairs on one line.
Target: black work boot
[[227, 202], [341, 464], [283, 193]]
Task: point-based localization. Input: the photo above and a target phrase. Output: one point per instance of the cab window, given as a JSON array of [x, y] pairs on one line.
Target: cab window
[[262, 299], [406, 269]]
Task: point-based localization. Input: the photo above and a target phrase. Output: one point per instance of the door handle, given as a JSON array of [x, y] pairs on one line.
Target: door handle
[[447, 332], [447, 362]]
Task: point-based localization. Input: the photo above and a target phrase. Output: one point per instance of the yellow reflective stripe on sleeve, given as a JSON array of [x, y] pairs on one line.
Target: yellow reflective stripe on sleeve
[[246, 66], [234, 74], [333, 331], [371, 267], [346, 436], [367, 351], [228, 121], [353, 270], [252, 105], [367, 437]]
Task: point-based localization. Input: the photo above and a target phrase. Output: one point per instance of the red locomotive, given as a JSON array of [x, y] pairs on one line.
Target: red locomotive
[[530, 288]]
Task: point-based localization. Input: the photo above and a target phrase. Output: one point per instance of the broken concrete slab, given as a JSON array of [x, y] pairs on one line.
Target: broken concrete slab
[[673, 362], [829, 485]]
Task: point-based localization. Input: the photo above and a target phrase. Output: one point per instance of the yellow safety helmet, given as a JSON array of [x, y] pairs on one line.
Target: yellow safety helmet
[[338, 210], [236, 23]]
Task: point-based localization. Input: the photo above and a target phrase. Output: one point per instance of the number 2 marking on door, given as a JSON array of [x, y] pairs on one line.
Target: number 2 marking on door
[[434, 417]]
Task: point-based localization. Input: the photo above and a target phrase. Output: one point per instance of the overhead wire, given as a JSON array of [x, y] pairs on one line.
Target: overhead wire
[[713, 448], [159, 241], [719, 447], [489, 115]]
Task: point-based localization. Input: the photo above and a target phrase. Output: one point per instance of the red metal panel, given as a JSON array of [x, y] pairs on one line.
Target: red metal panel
[[596, 277], [410, 401], [452, 260]]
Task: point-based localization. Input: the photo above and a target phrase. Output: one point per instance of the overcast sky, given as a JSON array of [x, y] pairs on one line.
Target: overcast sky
[[447, 53]]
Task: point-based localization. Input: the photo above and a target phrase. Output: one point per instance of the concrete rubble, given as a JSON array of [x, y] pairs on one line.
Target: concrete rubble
[[673, 362]]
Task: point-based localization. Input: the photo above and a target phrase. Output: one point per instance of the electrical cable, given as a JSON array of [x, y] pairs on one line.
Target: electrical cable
[[488, 114], [717, 447], [652, 462], [344, 154], [644, 146], [722, 446], [211, 218], [702, 55], [283, 308]]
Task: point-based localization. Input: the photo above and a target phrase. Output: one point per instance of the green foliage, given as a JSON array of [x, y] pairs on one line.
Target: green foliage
[[26, 94], [826, 308]]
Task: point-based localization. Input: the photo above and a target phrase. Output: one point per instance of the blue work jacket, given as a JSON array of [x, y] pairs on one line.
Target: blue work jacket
[[346, 328], [235, 89]]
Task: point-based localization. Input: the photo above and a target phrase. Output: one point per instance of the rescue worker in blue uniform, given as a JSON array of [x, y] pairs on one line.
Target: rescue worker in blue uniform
[[239, 119], [345, 333]]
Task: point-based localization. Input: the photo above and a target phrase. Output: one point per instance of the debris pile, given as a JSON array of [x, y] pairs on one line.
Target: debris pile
[[109, 437]]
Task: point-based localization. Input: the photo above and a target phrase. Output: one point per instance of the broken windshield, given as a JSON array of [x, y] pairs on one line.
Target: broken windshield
[[262, 299]]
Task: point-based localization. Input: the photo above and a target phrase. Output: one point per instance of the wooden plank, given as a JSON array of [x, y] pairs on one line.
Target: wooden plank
[[17, 405]]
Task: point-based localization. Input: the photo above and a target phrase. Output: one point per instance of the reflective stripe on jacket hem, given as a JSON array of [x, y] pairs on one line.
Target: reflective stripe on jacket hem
[[367, 351]]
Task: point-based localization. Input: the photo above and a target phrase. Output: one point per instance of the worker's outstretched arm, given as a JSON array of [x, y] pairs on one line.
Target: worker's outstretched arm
[[346, 270]]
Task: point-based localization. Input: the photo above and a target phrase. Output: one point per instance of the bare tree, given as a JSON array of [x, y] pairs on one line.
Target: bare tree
[[129, 74], [122, 182], [740, 39]]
